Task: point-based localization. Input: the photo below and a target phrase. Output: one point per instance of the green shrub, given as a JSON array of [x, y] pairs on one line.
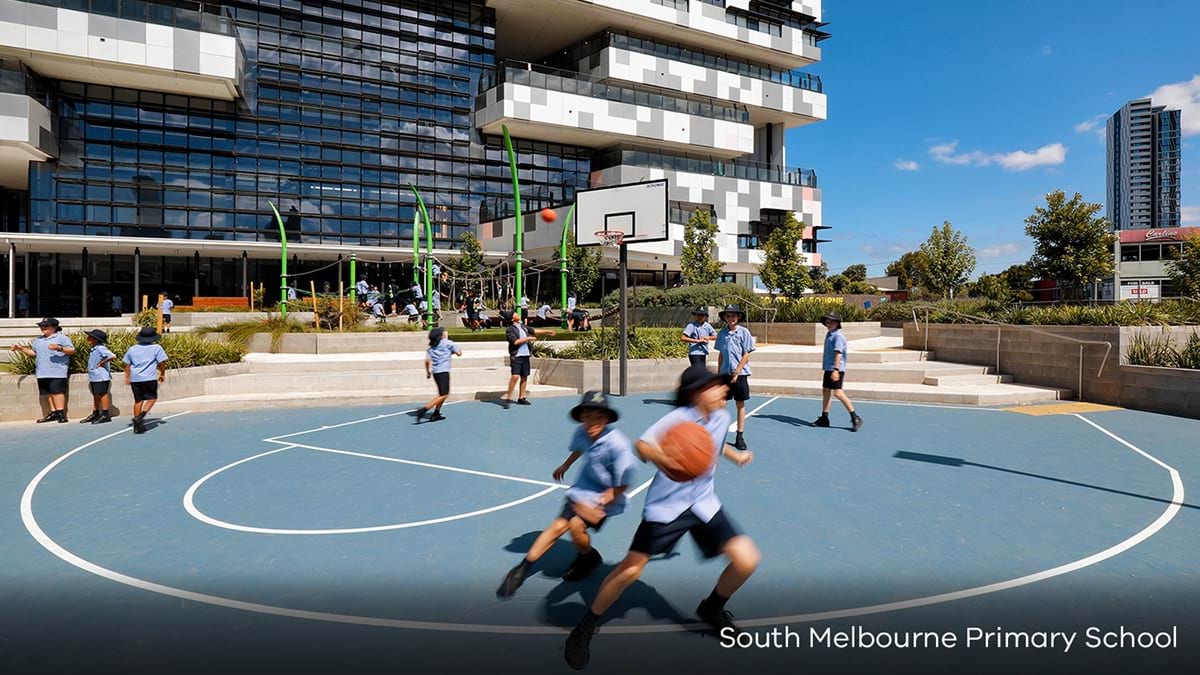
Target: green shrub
[[644, 343], [715, 295], [1189, 355], [1150, 350], [147, 318], [184, 350], [808, 310], [1166, 313]]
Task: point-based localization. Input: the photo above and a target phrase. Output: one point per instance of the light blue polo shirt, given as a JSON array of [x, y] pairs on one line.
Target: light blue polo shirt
[[666, 500], [834, 342], [440, 354], [168, 305], [607, 462], [96, 372], [410, 309], [697, 331], [362, 287], [52, 363], [733, 344], [143, 362], [523, 348]]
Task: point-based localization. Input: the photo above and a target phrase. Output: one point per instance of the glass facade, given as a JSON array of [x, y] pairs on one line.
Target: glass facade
[[345, 104]]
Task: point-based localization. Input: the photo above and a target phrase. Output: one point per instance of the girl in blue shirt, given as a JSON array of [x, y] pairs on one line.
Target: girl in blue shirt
[[99, 377], [437, 366]]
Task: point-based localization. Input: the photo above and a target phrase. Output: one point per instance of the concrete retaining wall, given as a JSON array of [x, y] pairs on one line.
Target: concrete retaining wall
[[642, 374], [810, 333], [19, 400], [1033, 358], [342, 343], [199, 319]]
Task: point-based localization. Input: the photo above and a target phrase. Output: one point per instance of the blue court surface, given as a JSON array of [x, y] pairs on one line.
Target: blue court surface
[[343, 540]]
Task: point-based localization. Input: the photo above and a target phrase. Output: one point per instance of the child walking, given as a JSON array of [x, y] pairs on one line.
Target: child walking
[[145, 367], [598, 492], [734, 344], [698, 334], [99, 377], [834, 365], [673, 509], [437, 365]]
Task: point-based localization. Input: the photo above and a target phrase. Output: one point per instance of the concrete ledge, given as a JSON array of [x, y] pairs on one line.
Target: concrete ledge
[[340, 343], [19, 400], [1174, 391], [810, 333], [643, 374]]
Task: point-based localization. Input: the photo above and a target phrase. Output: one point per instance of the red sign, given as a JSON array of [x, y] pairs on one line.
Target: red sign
[[1152, 235]]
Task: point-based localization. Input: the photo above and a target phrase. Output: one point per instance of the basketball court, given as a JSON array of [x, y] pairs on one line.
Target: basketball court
[[353, 540]]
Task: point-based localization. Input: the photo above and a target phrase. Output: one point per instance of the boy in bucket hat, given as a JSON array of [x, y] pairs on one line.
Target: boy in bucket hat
[[145, 367], [674, 509], [52, 353], [598, 492], [834, 365], [99, 377], [734, 344], [698, 334]]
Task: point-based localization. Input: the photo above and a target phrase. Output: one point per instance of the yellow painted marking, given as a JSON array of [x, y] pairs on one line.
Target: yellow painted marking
[[1061, 408]]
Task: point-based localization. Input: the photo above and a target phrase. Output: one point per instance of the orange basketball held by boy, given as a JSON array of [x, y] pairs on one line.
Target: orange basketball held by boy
[[690, 449]]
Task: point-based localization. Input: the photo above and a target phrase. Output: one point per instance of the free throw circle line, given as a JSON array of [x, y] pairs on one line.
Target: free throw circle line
[[36, 531]]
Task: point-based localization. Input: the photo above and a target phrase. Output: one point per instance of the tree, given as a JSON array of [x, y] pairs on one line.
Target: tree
[[950, 260], [839, 283], [1072, 245], [1184, 268], [583, 267], [819, 279], [782, 267], [991, 286], [1020, 282], [856, 272], [909, 270], [699, 262], [470, 255]]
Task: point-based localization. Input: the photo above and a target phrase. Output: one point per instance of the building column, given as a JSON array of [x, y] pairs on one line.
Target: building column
[[137, 280], [83, 297], [245, 275], [665, 285], [196, 275], [12, 280]]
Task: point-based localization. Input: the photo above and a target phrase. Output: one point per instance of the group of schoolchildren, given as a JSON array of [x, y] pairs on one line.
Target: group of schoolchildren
[[385, 305], [145, 367]]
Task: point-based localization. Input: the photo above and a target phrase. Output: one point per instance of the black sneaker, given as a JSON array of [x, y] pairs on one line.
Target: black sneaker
[[718, 619], [739, 442], [62, 416], [523, 401], [52, 417], [91, 418], [505, 403], [583, 565], [577, 650], [855, 421], [436, 416], [512, 581], [139, 426], [822, 421], [420, 414], [102, 418]]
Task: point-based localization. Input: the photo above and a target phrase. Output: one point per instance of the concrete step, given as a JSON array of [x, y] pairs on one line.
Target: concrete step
[[287, 384], [966, 380], [995, 394], [915, 372], [382, 362], [815, 355], [419, 394]]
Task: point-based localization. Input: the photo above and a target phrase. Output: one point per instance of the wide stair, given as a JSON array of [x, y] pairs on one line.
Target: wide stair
[[879, 369], [299, 380]]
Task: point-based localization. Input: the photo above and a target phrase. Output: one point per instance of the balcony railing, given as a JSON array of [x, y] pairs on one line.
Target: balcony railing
[[554, 79], [745, 169], [198, 16]]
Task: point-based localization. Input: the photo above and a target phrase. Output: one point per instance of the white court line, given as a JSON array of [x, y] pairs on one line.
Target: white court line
[[639, 489], [733, 424], [35, 530], [275, 439]]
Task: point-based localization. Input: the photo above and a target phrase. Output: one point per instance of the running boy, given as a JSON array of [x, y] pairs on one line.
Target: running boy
[[52, 353], [834, 365], [437, 366], [734, 344], [698, 334], [168, 306], [145, 367], [598, 492], [674, 509], [520, 340], [99, 377]]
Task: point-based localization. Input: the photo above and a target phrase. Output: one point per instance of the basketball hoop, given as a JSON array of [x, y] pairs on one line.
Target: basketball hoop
[[610, 238]]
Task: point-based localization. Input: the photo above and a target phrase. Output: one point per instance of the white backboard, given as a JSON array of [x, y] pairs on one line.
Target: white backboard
[[637, 209]]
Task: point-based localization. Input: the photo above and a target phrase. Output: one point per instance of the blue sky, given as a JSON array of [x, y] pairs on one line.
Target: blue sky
[[970, 111]]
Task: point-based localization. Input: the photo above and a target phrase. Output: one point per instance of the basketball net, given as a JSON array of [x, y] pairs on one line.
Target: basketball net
[[610, 238]]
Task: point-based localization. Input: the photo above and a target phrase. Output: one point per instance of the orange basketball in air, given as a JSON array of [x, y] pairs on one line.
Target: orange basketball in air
[[691, 447], [549, 215]]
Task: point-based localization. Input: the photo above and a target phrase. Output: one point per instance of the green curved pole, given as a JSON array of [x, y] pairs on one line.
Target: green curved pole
[[416, 242], [520, 242], [562, 264], [428, 287], [353, 279], [282, 262]]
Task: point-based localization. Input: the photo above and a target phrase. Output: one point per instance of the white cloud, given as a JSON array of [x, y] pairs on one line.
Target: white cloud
[[1047, 50], [998, 251], [1020, 160], [1095, 126], [1186, 97], [1047, 155], [1189, 214], [906, 165]]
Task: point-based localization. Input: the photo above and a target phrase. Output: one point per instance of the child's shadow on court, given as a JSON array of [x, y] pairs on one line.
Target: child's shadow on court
[[558, 611]]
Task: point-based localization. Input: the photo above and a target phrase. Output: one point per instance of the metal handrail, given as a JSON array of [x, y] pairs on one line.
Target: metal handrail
[[1000, 326], [768, 312]]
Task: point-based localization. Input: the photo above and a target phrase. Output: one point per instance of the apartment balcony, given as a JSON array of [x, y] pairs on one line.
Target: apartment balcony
[[27, 126], [564, 107], [127, 43], [772, 95], [529, 29]]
